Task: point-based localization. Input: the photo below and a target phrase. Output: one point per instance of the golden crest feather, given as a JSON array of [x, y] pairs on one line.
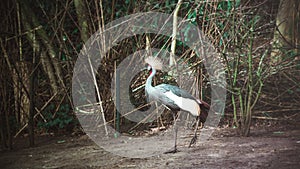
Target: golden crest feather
[[156, 63]]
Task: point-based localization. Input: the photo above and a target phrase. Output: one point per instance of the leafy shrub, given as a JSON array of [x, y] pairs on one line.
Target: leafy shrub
[[55, 120]]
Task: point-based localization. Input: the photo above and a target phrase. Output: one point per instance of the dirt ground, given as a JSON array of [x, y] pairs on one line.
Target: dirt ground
[[273, 146]]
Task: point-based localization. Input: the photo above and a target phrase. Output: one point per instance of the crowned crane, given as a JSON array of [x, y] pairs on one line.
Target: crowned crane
[[175, 99]]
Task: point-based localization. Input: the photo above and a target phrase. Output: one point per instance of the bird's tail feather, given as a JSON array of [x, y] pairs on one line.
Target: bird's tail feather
[[204, 110]]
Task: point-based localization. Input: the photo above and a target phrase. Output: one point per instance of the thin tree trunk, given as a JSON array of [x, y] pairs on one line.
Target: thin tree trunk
[[287, 34], [22, 75], [48, 58], [32, 105], [174, 33], [5, 126], [81, 11]]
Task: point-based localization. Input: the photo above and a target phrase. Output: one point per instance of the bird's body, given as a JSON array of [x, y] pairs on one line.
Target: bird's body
[[176, 99]]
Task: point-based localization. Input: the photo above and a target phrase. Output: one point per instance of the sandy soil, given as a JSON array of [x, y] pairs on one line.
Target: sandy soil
[[277, 146]]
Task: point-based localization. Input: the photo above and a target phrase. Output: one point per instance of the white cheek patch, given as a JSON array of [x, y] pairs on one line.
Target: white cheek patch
[[184, 103]]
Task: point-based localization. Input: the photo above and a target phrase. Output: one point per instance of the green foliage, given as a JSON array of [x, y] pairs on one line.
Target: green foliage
[[56, 120]]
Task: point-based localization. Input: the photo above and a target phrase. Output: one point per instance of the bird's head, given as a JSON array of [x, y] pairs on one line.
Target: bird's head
[[149, 68]]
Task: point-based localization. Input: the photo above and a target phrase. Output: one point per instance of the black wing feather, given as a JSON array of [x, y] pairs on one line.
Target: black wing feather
[[176, 90]]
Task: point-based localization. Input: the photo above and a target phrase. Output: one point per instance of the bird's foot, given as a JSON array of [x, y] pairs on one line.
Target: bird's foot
[[173, 150], [193, 141]]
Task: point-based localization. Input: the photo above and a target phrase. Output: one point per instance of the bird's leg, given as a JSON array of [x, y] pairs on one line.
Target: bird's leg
[[193, 141], [174, 150]]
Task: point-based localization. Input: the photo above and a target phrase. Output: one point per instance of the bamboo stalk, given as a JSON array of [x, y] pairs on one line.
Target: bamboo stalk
[[98, 95], [175, 24]]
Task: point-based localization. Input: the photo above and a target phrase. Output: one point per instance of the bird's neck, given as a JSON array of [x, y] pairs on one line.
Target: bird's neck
[[149, 79]]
